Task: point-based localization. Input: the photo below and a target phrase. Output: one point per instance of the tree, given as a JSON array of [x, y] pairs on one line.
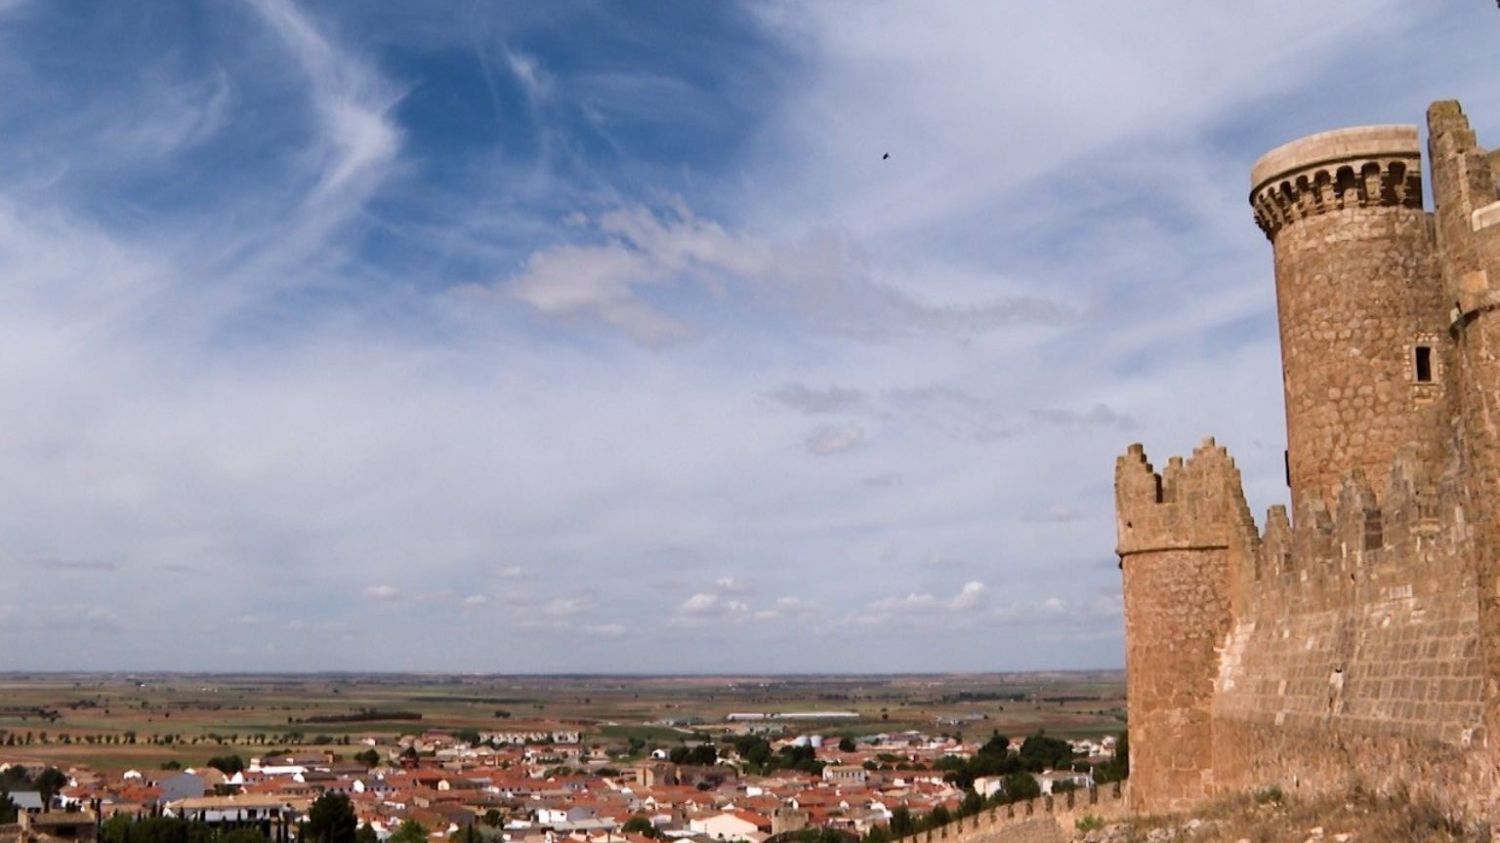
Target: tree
[[973, 803], [8, 809], [50, 783], [702, 755], [1021, 786], [1117, 768], [113, 830], [468, 736], [639, 824], [366, 834], [369, 757], [492, 818], [901, 822], [846, 744], [247, 834], [878, 834], [1041, 752], [227, 764], [331, 820], [410, 831], [938, 817], [124, 829]]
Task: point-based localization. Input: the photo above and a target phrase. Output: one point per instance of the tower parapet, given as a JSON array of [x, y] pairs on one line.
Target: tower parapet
[[1365, 167]]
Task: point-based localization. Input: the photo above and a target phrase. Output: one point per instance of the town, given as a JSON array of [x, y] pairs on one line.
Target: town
[[808, 773]]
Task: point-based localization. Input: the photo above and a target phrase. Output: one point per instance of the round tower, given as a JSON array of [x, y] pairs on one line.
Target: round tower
[[1364, 343]]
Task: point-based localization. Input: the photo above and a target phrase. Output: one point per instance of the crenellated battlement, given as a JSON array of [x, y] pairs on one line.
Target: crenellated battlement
[[1368, 547], [1365, 167], [1194, 504], [1331, 555]]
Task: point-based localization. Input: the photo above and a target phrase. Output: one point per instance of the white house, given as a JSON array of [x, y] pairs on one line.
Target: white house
[[728, 825]]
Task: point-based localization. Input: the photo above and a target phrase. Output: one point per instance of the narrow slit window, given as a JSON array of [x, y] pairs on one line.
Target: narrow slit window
[[1374, 537], [1424, 364]]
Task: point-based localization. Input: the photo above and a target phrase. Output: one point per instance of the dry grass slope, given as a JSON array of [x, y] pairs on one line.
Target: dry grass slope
[[1269, 818]]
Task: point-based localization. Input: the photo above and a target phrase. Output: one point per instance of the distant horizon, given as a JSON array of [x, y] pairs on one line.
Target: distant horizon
[[484, 675]]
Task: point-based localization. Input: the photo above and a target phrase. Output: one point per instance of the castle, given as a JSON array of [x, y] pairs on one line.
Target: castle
[[1355, 640]]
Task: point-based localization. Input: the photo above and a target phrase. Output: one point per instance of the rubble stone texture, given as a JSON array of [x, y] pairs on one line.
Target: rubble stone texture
[[1354, 642]]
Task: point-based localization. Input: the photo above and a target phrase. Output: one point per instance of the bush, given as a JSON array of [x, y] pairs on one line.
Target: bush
[[410, 831], [1269, 796], [639, 824]]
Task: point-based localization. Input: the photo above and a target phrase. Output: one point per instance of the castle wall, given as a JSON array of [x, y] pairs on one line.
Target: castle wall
[[1360, 666], [1361, 644]]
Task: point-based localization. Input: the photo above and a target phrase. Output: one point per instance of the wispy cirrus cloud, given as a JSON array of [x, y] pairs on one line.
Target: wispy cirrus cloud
[[821, 279]]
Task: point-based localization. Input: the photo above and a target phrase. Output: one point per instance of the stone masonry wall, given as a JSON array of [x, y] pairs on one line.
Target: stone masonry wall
[[1045, 819], [1357, 661], [1356, 294], [1171, 636], [1468, 228]]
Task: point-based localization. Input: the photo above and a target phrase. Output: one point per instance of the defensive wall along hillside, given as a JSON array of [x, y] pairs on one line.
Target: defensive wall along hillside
[[1355, 639], [1045, 819]]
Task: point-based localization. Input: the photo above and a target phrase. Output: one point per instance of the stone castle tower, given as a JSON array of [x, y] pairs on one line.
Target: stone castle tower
[[1356, 642]]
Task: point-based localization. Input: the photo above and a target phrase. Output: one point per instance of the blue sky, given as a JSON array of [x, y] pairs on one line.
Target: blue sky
[[588, 336]]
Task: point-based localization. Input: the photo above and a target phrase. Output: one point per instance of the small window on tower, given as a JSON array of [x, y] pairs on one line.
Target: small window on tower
[[1424, 364]]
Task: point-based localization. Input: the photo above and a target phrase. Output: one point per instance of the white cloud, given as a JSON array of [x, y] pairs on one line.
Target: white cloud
[[563, 607], [731, 585], [382, 592], [970, 597], [474, 601], [701, 603], [820, 279], [791, 607], [529, 73], [706, 605]]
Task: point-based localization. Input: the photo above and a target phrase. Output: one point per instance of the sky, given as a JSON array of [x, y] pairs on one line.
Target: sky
[[672, 337]]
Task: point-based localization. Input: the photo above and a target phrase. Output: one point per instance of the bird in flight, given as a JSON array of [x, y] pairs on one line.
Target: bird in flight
[[888, 155]]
